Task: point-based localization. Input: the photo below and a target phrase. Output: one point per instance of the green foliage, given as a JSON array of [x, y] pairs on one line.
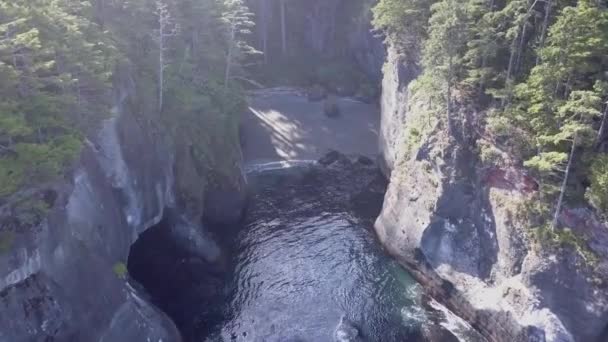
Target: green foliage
[[406, 19], [559, 104], [448, 32], [120, 270], [55, 64], [597, 193], [490, 155], [422, 119], [537, 68], [534, 213], [550, 238], [238, 22], [33, 163]]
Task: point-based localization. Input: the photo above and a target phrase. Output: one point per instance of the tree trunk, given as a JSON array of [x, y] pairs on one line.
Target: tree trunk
[[283, 29], [507, 99], [516, 51], [600, 133], [265, 40], [564, 186], [161, 54], [568, 86], [263, 24], [161, 71], [101, 8], [484, 57], [449, 97], [541, 181], [543, 33], [229, 56], [520, 48], [184, 60]]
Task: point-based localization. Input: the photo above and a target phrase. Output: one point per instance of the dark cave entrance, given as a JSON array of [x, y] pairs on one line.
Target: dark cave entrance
[[189, 286]]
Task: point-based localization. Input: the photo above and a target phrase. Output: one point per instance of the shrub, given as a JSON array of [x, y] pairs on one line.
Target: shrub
[[597, 193], [490, 155], [565, 238], [11, 175], [32, 163]]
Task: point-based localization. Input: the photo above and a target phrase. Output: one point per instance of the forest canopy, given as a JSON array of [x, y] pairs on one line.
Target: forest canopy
[[60, 62], [537, 68]]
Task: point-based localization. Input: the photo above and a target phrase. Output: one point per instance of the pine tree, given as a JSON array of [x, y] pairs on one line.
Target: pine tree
[[238, 21], [443, 50], [405, 20], [167, 28]]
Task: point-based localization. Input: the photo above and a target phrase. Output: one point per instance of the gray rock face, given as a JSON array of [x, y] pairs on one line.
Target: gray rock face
[[64, 278], [397, 76], [456, 227], [320, 35], [59, 280], [329, 28], [366, 47]]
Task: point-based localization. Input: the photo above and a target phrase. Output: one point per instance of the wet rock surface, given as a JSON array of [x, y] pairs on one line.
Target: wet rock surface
[[304, 256]]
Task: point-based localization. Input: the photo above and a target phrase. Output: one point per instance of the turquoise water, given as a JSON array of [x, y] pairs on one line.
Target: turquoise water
[[307, 256]]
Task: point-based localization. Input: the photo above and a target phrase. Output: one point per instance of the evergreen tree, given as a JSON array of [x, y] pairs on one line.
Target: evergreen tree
[[238, 22], [406, 20], [443, 51]]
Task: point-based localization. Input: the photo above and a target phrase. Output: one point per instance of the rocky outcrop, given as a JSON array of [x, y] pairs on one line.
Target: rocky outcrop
[[65, 246], [459, 228]]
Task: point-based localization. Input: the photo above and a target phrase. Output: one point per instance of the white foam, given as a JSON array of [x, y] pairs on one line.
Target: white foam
[[456, 325], [31, 265], [277, 165]]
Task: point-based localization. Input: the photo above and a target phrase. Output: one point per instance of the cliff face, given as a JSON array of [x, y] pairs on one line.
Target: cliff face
[[458, 227], [62, 269], [320, 28]]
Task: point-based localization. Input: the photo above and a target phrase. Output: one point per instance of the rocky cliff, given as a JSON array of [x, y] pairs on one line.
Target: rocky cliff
[[319, 30], [459, 227], [64, 246]]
